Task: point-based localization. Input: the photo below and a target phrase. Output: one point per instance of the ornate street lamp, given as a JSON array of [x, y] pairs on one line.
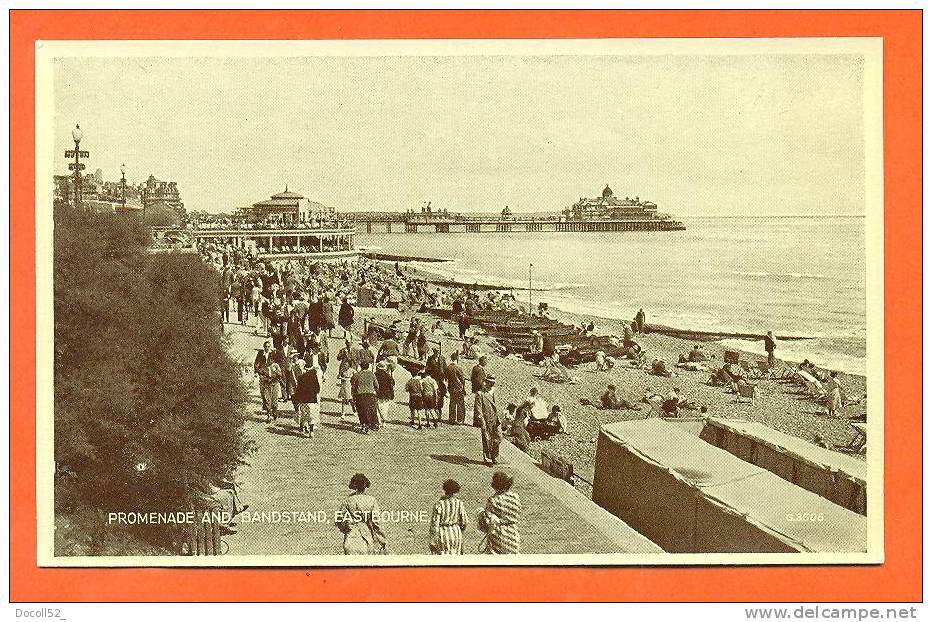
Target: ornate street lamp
[[76, 166], [123, 184]]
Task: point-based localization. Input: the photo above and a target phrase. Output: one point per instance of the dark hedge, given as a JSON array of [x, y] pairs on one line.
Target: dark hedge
[[149, 406]]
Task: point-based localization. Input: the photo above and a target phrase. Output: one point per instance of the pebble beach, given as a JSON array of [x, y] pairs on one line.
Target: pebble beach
[[778, 405]]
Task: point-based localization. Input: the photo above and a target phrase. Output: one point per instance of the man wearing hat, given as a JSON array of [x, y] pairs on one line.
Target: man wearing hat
[[456, 385], [485, 412], [478, 375], [477, 378]]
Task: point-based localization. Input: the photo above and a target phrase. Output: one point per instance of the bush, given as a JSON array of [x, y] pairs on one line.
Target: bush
[[149, 406]]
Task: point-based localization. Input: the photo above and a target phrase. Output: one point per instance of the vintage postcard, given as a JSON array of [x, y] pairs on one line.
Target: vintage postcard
[[566, 302]]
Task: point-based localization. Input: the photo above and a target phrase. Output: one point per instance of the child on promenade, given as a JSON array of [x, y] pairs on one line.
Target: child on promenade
[[415, 389], [429, 398]]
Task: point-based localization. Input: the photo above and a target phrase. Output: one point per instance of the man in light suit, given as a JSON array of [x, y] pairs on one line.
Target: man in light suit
[[486, 414]]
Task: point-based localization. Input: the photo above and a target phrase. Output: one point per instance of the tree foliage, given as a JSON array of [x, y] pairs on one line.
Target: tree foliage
[[149, 406]]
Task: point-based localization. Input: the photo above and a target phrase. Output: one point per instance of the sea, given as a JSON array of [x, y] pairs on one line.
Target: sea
[[797, 276]]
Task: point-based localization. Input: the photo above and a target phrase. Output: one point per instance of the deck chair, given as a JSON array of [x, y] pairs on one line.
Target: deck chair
[[752, 372], [656, 406], [746, 391], [764, 370], [812, 384], [858, 444], [817, 389]]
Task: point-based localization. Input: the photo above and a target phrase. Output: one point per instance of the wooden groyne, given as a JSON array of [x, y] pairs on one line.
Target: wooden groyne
[[402, 258], [705, 335], [481, 287]]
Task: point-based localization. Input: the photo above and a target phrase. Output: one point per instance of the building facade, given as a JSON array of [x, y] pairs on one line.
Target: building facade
[[103, 195], [157, 191], [610, 207]]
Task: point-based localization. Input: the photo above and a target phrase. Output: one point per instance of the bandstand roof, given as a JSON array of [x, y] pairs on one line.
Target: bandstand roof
[[282, 200], [277, 202], [287, 195]]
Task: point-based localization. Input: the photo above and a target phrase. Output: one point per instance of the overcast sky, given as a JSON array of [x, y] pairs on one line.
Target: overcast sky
[[695, 134]]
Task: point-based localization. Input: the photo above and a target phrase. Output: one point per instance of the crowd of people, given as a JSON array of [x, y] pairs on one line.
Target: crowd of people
[[293, 304], [212, 222], [300, 305]]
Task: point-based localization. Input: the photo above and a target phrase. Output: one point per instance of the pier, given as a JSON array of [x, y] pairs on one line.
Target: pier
[[493, 224]]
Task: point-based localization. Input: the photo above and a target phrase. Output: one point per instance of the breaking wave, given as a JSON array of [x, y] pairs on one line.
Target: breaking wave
[[779, 275]]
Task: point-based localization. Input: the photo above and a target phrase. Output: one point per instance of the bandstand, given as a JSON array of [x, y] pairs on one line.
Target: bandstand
[[323, 244]]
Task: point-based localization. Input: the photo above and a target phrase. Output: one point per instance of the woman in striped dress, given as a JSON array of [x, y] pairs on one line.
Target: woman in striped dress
[[499, 519], [448, 522]]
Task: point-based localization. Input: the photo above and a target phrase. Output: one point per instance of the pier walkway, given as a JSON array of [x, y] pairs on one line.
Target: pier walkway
[[290, 473]]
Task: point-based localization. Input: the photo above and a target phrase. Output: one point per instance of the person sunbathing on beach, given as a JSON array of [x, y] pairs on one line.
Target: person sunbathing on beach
[[537, 406], [671, 405], [813, 371], [694, 360], [555, 423], [728, 376], [515, 424], [697, 355], [557, 417], [628, 348], [659, 368], [554, 370], [610, 400], [676, 402], [603, 362]]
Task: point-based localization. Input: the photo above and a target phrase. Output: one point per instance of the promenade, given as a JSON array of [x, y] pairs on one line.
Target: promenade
[[290, 473]]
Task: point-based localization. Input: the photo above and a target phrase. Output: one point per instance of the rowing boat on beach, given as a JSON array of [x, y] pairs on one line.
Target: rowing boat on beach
[[516, 333]]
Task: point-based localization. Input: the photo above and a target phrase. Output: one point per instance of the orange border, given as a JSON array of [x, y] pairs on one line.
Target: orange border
[[899, 579]]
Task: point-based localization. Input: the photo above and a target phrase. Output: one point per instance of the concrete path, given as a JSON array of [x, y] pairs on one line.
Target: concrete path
[[292, 474]]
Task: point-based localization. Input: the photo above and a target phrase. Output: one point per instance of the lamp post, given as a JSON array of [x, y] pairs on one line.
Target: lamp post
[[76, 166], [530, 309], [123, 184]]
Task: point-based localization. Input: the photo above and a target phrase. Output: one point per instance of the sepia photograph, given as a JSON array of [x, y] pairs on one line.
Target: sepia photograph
[[531, 302]]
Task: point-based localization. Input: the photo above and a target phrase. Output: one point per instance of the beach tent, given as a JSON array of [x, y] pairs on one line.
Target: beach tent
[[829, 474], [689, 496]]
